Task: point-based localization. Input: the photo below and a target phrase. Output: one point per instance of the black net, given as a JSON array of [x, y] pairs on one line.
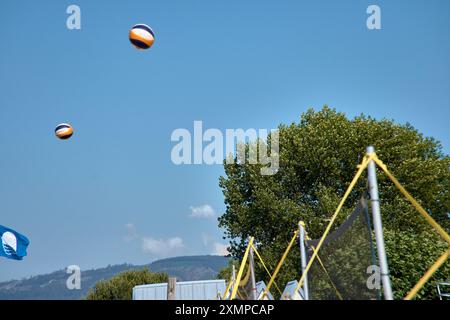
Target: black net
[[346, 264]]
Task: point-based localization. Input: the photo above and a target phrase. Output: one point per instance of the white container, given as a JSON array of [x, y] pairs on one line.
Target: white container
[[188, 290]]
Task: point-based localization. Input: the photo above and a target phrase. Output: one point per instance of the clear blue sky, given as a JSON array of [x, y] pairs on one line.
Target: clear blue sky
[[231, 64]]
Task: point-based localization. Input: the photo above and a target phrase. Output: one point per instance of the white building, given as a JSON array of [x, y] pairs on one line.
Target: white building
[[188, 290]]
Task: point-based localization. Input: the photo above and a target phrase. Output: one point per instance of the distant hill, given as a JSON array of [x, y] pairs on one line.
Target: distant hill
[[53, 285]]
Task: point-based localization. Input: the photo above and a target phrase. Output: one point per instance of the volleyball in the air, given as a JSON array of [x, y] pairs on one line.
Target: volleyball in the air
[[142, 36], [64, 131]]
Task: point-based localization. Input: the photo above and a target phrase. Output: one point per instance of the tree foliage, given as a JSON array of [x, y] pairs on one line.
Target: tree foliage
[[226, 272], [318, 159], [120, 287]]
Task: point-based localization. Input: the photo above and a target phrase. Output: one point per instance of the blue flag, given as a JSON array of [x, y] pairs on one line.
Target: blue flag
[[14, 245]]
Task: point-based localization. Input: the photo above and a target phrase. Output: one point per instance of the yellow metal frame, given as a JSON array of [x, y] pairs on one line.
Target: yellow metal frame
[[440, 261], [264, 265], [275, 273], [361, 167], [241, 269]]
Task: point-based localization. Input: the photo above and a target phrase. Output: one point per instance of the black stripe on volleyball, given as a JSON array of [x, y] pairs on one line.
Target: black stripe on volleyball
[[66, 136], [62, 126], [139, 44], [145, 27]]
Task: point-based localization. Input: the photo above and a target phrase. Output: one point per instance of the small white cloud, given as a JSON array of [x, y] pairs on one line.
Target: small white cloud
[[131, 232], [220, 249], [160, 248], [205, 211]]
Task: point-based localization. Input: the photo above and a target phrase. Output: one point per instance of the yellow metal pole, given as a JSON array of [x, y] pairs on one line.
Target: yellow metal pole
[[241, 269], [362, 167], [265, 267], [227, 290], [428, 275], [416, 205], [272, 279]]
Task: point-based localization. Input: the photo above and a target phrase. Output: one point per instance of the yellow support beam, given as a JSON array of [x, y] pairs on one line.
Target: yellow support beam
[[264, 265], [241, 270], [369, 157], [416, 205], [329, 277], [275, 273], [227, 289], [439, 262], [361, 167]]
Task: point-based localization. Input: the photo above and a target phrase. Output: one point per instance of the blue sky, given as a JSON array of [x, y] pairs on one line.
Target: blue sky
[[231, 64]]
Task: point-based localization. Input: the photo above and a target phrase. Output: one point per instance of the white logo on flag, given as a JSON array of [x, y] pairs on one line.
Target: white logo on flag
[[9, 242]]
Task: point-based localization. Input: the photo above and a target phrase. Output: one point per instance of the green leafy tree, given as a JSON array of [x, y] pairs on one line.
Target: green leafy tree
[[318, 159], [120, 287]]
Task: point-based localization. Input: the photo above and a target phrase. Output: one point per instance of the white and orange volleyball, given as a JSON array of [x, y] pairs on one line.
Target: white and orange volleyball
[[64, 131], [142, 36]]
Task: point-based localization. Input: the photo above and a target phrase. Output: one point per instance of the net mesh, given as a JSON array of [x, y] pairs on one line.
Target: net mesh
[[340, 272]]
